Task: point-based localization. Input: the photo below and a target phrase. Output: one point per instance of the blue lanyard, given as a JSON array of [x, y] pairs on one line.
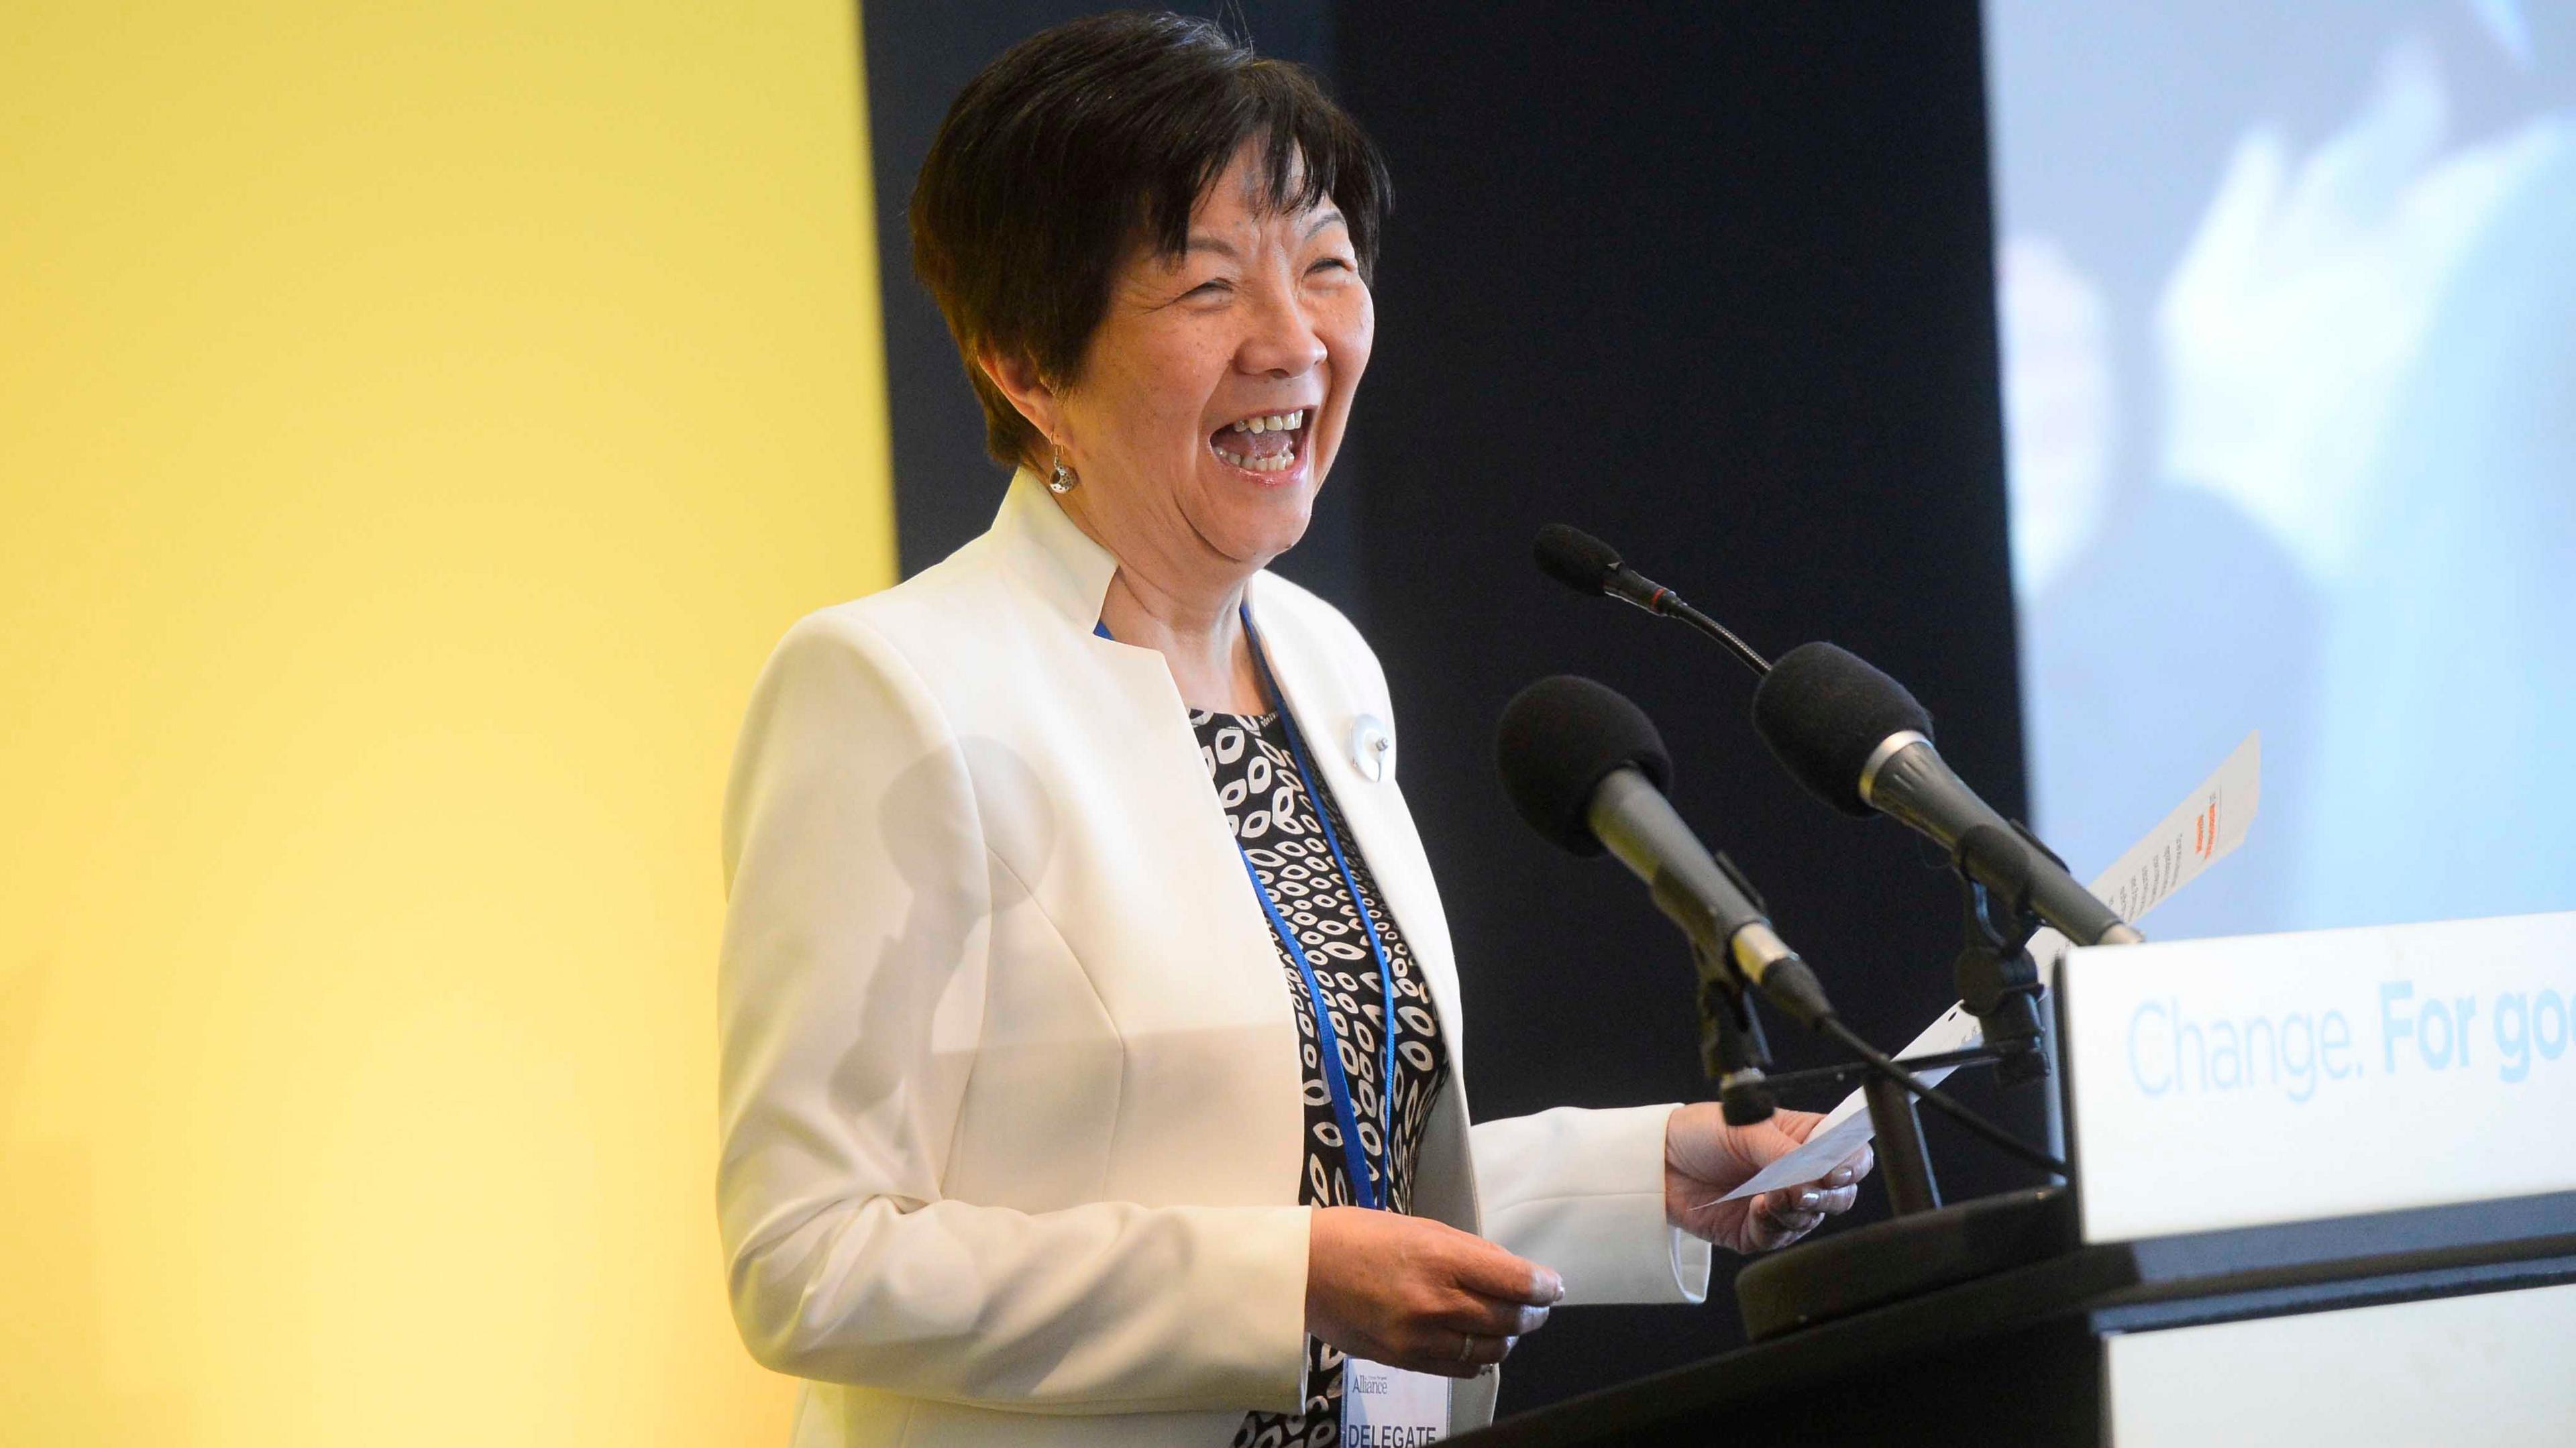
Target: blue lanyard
[[1367, 1186]]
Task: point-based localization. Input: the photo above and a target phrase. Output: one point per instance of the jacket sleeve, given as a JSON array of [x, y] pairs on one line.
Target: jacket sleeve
[[857, 943], [1583, 1192]]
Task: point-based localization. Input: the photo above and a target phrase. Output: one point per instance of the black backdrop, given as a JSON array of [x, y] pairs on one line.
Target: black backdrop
[[1714, 282]]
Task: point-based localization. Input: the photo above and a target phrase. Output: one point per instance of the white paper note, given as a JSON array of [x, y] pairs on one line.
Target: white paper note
[[2209, 824]]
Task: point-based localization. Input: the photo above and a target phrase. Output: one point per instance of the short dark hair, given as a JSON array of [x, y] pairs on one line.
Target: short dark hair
[[1084, 141]]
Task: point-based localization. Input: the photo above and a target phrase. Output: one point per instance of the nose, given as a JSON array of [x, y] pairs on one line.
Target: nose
[[1282, 341]]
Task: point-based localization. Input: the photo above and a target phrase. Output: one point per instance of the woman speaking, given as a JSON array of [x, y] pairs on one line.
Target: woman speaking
[[1093, 1069]]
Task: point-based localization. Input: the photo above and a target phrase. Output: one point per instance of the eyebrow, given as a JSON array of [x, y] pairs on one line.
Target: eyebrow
[[1209, 241]]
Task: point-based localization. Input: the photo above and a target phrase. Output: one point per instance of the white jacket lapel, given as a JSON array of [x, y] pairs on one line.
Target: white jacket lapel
[[1318, 686]]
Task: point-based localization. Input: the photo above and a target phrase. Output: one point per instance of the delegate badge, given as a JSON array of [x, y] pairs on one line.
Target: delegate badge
[[1384, 1407]]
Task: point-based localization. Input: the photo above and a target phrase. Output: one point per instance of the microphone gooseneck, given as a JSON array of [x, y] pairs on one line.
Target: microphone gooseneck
[[1589, 566]]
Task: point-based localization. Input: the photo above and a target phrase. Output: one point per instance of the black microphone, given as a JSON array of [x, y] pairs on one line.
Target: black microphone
[[1858, 741], [1588, 566], [1586, 768]]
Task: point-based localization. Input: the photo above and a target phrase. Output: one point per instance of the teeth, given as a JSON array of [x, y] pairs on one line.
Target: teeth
[[1269, 422], [1270, 464], [1275, 422]]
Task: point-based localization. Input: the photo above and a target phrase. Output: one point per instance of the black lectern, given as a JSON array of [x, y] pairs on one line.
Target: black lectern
[[2019, 1357], [2323, 1190]]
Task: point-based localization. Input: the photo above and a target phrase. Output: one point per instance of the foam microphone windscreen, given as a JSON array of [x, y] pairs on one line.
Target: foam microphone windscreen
[[1574, 558], [1558, 740], [1824, 711]]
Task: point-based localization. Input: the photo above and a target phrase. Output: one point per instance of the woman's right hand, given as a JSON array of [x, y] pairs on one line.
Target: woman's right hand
[[1414, 1293]]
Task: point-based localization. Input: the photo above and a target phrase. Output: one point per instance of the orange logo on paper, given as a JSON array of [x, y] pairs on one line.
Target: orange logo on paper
[[2204, 831]]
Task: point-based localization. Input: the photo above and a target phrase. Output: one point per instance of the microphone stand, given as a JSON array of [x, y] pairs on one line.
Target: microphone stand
[[1925, 1245], [1996, 980], [1734, 1054], [1732, 1051]]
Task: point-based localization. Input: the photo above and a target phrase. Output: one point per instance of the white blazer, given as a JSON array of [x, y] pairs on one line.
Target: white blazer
[[1011, 1119]]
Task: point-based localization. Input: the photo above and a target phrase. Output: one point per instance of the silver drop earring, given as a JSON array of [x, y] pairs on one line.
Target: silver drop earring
[[1062, 480]]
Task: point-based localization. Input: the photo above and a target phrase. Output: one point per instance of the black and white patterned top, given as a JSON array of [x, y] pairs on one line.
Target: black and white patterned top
[[1272, 817]]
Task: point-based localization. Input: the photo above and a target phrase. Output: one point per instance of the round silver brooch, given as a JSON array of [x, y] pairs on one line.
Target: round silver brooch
[[1372, 748]]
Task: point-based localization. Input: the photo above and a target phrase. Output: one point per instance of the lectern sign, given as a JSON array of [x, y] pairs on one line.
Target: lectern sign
[[2265, 1079]]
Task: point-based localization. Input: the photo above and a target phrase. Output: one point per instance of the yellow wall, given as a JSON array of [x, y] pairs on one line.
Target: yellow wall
[[416, 422]]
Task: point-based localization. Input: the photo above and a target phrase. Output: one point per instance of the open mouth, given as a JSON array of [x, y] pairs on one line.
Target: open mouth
[[1265, 443]]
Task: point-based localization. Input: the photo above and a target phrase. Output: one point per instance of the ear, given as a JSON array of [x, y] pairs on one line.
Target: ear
[[1019, 381]]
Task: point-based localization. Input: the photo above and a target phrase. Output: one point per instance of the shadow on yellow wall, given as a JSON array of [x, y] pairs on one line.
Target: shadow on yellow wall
[[416, 423]]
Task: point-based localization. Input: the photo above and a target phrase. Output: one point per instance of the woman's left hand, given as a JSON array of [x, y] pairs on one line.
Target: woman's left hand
[[1704, 1159]]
